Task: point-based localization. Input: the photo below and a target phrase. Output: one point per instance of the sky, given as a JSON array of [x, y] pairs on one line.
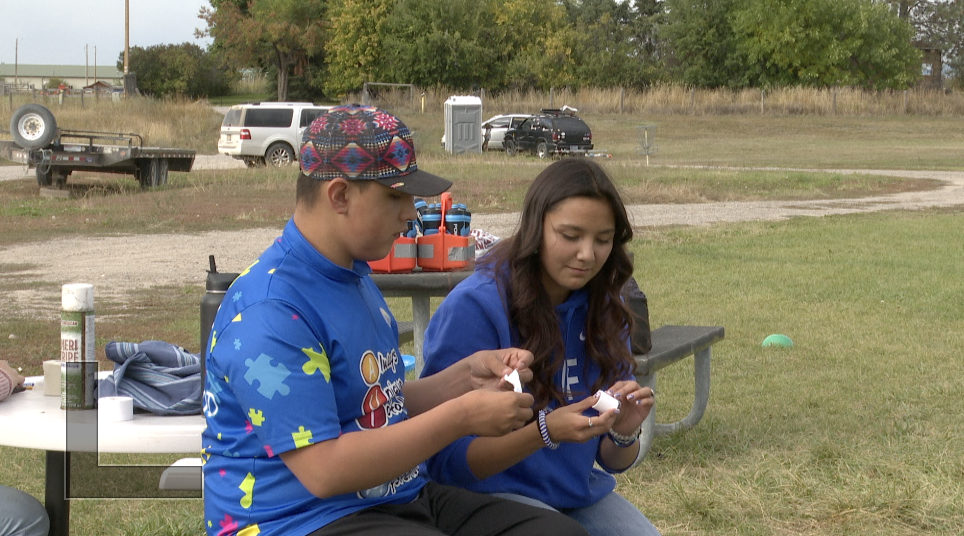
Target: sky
[[55, 32]]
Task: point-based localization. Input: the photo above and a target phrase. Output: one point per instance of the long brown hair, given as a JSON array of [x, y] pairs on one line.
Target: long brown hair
[[530, 310]]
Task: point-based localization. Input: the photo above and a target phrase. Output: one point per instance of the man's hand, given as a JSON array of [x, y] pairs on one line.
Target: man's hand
[[496, 414], [487, 368]]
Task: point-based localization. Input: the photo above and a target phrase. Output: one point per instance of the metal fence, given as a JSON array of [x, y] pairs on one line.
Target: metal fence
[[11, 99]]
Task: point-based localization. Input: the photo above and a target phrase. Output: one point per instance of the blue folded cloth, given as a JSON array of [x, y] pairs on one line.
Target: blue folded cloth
[[161, 378]]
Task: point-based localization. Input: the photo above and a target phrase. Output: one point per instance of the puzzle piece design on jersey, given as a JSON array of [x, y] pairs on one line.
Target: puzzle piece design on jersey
[[317, 362], [271, 378]]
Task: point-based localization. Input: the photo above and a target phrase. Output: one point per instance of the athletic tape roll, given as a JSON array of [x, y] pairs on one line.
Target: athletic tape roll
[[77, 297], [115, 408], [52, 377], [606, 402]]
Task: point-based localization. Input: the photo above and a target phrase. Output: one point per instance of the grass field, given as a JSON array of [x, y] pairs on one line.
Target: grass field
[[856, 430]]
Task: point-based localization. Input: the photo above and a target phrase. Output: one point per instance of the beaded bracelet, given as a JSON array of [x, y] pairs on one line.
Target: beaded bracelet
[[544, 430], [624, 441]]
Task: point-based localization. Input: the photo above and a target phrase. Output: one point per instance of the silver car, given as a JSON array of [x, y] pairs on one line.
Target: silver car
[[497, 125]]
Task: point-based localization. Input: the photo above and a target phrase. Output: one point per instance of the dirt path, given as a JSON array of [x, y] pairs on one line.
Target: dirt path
[[118, 265]]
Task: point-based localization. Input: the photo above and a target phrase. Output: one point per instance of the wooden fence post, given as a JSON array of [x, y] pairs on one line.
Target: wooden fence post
[[762, 96], [622, 95]]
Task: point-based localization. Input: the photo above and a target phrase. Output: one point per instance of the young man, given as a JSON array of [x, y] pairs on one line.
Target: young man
[[312, 428]]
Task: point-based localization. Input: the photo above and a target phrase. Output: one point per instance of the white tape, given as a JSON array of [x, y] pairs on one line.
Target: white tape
[[115, 408], [605, 403], [513, 378], [52, 377], [77, 297]]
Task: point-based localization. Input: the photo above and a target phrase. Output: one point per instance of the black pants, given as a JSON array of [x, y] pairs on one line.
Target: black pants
[[453, 512]]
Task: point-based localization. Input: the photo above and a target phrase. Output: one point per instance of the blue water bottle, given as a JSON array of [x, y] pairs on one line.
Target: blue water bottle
[[420, 207], [457, 220]]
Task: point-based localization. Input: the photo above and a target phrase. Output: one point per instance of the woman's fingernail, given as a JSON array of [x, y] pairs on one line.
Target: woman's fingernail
[[630, 397]]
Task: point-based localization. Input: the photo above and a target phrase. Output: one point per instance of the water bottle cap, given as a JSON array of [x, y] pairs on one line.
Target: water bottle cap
[[219, 281]]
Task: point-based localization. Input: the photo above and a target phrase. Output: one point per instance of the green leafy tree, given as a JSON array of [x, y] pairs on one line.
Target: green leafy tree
[[824, 42], [702, 49], [282, 34], [738, 43], [440, 43], [184, 70], [354, 51], [533, 49], [605, 52]]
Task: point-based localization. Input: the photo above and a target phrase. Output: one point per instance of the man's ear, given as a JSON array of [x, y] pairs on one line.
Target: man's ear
[[337, 195]]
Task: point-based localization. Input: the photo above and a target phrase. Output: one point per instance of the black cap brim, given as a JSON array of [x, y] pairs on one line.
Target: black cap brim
[[418, 182]]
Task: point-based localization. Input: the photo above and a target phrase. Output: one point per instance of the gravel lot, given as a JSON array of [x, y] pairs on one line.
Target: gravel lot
[[118, 265]]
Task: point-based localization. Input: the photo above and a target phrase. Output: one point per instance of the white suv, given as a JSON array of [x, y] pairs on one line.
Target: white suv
[[266, 132]]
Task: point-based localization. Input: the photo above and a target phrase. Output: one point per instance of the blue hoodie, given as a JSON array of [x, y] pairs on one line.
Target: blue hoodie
[[474, 317]]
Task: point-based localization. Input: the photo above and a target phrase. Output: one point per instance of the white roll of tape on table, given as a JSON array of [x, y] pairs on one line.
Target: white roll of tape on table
[[77, 297], [52, 377], [115, 408]]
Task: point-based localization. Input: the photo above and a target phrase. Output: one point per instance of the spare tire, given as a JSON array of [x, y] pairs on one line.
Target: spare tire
[[33, 126]]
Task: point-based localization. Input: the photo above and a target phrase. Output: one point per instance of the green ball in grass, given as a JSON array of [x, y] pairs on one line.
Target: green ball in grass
[[778, 340]]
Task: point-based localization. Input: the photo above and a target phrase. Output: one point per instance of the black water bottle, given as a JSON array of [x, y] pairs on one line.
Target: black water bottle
[[457, 220], [432, 219], [217, 284]]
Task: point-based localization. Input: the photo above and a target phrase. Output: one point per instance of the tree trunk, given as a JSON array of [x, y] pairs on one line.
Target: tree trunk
[[903, 10], [282, 83], [283, 63]]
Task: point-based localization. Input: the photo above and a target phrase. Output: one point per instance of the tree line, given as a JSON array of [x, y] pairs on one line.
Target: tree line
[[326, 48]]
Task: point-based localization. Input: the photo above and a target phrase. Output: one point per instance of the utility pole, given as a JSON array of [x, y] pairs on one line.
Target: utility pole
[[95, 64], [86, 65], [16, 62], [127, 35]]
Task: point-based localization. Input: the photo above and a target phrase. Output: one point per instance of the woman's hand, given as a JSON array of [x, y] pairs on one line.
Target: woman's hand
[[635, 402], [568, 424]]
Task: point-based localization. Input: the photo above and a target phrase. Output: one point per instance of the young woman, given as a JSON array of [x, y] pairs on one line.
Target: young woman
[[553, 289]]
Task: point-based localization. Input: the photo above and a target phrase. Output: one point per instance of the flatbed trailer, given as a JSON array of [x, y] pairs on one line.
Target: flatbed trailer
[[56, 153]]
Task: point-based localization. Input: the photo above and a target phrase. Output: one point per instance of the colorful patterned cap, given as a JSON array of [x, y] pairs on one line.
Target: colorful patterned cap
[[362, 143]]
